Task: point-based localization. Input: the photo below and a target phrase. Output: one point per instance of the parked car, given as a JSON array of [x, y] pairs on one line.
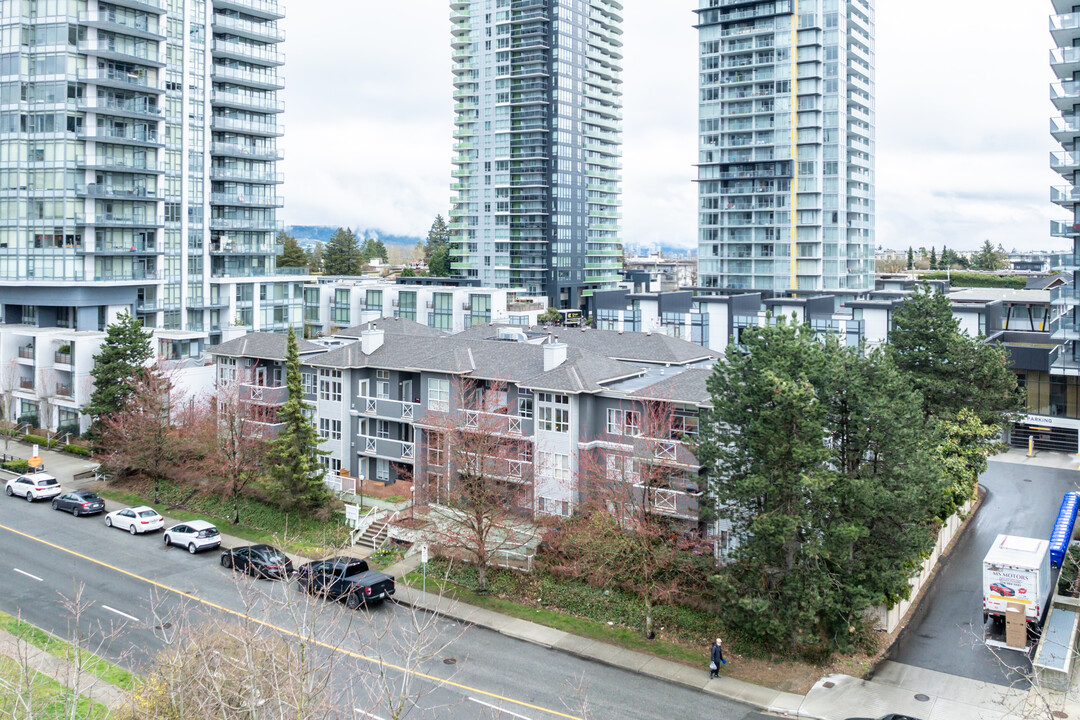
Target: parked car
[[80, 502], [195, 536], [345, 577], [259, 560], [890, 716], [135, 520], [35, 486]]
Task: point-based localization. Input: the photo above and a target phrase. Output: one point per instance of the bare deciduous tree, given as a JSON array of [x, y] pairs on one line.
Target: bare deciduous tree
[[232, 437], [479, 469], [149, 435], [635, 483]]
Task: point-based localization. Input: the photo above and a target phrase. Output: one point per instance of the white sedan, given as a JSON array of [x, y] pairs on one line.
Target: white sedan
[[36, 486], [135, 520], [195, 535]]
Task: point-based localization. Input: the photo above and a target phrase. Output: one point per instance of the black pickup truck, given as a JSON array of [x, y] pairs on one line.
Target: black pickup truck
[[345, 577]]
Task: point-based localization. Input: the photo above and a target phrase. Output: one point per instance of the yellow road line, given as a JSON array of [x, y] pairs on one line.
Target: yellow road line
[[284, 631]]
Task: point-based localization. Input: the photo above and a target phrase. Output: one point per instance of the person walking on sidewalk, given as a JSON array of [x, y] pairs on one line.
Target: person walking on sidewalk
[[716, 658]]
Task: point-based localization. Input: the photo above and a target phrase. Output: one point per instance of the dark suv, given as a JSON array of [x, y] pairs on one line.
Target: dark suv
[[345, 577]]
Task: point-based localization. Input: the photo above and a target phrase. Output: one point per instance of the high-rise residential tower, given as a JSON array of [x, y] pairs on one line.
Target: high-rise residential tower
[[538, 145], [786, 145], [1065, 127], [138, 165]]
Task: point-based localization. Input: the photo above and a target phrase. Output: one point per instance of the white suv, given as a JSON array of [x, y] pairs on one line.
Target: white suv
[[195, 536], [37, 486]]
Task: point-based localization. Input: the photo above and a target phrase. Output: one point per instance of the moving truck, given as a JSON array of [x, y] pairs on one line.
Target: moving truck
[[1016, 571]]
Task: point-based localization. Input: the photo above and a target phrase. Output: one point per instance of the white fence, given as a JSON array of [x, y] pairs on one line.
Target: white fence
[[889, 619]]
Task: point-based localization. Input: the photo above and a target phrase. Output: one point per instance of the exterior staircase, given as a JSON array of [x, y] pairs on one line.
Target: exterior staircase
[[376, 532]]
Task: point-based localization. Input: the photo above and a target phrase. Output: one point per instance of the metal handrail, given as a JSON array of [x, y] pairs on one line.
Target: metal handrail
[[362, 525], [376, 543]]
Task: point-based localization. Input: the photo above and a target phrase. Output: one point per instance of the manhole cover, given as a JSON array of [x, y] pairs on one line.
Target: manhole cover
[[449, 661], [1027, 479], [922, 698], [1059, 714], [163, 626], [828, 684]]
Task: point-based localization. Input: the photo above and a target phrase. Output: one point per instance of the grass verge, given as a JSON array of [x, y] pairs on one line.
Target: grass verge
[[96, 666], [582, 627], [48, 699]]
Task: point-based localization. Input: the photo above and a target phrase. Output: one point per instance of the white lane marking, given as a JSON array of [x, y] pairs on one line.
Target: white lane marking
[[499, 709], [124, 614], [367, 714], [23, 572]]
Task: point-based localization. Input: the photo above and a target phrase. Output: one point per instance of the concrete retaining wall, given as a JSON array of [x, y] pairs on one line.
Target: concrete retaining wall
[[888, 619]]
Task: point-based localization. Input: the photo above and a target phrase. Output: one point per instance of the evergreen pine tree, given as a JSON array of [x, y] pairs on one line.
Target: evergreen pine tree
[[381, 252], [933, 258], [439, 265], [295, 477], [438, 237], [315, 257], [292, 255], [117, 366], [910, 258], [342, 256]]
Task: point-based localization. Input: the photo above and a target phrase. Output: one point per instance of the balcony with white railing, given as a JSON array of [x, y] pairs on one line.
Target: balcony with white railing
[[498, 423], [264, 394], [390, 409], [681, 501], [387, 449]]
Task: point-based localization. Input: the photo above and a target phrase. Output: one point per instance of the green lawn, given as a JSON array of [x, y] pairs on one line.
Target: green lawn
[[53, 645], [259, 522], [613, 634], [49, 699]]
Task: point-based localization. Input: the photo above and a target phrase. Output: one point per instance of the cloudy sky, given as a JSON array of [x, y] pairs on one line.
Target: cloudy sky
[[962, 109]]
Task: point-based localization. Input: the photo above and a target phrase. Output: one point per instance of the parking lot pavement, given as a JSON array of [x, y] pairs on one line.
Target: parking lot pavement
[[945, 631]]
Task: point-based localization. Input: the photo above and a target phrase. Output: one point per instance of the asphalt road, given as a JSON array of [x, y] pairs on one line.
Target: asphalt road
[[138, 593], [945, 632]]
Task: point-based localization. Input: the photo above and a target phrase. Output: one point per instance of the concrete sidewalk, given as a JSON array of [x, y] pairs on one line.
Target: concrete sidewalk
[[1041, 458], [61, 671]]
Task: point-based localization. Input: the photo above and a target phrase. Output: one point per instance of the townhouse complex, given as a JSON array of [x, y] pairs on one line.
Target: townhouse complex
[[384, 393]]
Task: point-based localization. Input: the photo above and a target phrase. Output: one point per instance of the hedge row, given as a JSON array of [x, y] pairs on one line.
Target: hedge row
[[985, 280]]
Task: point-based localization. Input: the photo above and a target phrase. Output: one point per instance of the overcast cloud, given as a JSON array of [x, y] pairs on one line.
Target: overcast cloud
[[962, 99]]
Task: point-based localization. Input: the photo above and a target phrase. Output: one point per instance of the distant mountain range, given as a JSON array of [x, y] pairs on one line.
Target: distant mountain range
[[310, 234]]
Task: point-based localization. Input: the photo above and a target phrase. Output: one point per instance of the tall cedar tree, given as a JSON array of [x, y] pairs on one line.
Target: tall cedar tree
[[117, 365], [910, 258], [342, 255], [295, 475], [816, 453], [933, 259], [292, 254], [969, 390], [951, 369]]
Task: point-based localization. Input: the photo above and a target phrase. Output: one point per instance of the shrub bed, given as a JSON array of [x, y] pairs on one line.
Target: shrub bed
[[677, 623]]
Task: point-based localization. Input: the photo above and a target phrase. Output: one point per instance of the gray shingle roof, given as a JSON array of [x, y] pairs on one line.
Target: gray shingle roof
[[392, 326], [687, 386], [512, 362], [263, 346], [632, 346]]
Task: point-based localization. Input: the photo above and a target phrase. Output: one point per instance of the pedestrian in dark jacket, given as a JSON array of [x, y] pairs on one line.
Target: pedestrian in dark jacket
[[716, 658]]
